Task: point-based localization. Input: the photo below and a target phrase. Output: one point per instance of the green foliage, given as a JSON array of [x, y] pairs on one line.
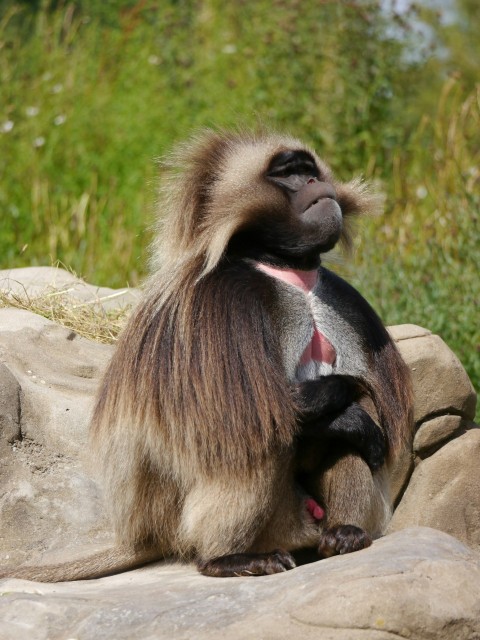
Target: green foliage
[[91, 92], [420, 261]]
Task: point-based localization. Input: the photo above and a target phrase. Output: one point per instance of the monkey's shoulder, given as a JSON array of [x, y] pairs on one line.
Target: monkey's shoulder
[[336, 296]]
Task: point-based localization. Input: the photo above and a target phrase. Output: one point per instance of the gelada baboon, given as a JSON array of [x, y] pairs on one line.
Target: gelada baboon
[[230, 425]]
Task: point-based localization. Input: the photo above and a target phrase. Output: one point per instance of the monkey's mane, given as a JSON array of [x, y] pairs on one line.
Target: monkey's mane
[[211, 362], [189, 228], [201, 339]]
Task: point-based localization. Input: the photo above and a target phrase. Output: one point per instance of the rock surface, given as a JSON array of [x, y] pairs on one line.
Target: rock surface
[[48, 378], [434, 433], [444, 492], [418, 583], [440, 382]]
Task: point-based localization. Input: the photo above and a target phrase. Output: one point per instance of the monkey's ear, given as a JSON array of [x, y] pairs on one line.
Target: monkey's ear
[[356, 198]]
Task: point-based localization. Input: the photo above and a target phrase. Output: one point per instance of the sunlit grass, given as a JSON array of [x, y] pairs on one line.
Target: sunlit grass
[[420, 261]]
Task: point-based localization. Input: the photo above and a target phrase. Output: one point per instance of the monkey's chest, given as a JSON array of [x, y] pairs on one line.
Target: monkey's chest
[[332, 343], [308, 345], [315, 335], [319, 356]]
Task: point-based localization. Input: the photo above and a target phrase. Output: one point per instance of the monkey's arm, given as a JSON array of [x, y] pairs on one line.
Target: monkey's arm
[[328, 410]]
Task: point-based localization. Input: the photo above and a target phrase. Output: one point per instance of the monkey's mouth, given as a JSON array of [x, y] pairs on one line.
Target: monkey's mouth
[[323, 218], [311, 194]]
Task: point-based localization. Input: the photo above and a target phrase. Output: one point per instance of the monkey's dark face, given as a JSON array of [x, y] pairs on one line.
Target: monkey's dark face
[[315, 213], [307, 224]]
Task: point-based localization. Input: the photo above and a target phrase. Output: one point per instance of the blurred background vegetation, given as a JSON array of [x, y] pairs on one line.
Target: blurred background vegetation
[[92, 91]]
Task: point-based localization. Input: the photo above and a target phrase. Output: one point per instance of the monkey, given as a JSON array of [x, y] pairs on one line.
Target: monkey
[[255, 402]]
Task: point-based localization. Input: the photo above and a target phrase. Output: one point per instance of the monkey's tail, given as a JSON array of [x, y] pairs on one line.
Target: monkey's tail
[[103, 563]]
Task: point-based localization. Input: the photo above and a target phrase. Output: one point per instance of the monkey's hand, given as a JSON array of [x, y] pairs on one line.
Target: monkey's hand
[[355, 426], [325, 395]]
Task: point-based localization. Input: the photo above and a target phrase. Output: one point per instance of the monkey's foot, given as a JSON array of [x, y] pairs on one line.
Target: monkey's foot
[[343, 538], [247, 564]]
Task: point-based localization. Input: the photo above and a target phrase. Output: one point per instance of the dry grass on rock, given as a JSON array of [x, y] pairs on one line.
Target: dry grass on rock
[[88, 319]]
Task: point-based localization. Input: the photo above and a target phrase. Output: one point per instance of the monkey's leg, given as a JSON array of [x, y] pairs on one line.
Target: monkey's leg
[[231, 523], [357, 503]]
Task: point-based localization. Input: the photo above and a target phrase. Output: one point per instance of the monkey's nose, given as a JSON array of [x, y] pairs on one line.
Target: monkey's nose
[[312, 192]]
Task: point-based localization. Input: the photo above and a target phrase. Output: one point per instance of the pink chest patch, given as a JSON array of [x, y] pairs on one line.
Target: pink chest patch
[[319, 349]]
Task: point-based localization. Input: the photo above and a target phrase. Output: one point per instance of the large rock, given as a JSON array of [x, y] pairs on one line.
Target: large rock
[[444, 491], [440, 383], [418, 583], [51, 506], [49, 501], [444, 398], [48, 378], [433, 434]]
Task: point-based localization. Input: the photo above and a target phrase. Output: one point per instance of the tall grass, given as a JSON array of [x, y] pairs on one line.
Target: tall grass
[[89, 98], [420, 261], [92, 105]]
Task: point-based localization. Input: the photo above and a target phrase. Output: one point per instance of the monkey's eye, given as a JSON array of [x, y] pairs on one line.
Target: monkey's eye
[[292, 169]]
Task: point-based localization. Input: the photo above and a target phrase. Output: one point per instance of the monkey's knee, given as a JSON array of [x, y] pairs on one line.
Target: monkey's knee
[[221, 519], [353, 495]]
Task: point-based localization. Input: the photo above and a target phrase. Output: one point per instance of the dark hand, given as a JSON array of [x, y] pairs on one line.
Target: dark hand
[[325, 395], [355, 426]]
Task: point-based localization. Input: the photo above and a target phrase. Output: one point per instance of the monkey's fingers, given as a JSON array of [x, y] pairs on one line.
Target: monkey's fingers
[[247, 564], [356, 427], [375, 452], [341, 539]]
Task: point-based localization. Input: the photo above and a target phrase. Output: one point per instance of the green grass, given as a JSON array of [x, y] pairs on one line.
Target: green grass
[[92, 92], [420, 261]]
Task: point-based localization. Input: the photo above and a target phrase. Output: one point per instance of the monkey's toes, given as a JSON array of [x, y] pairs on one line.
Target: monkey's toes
[[247, 564], [341, 539], [277, 561]]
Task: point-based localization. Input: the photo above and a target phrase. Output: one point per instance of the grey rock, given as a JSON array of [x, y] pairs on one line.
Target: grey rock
[[415, 582], [418, 583], [48, 377], [407, 331], [432, 434], [440, 382], [443, 491], [9, 407]]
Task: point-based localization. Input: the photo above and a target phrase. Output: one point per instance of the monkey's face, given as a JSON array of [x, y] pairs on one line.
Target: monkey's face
[[265, 197], [294, 216], [315, 217]]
